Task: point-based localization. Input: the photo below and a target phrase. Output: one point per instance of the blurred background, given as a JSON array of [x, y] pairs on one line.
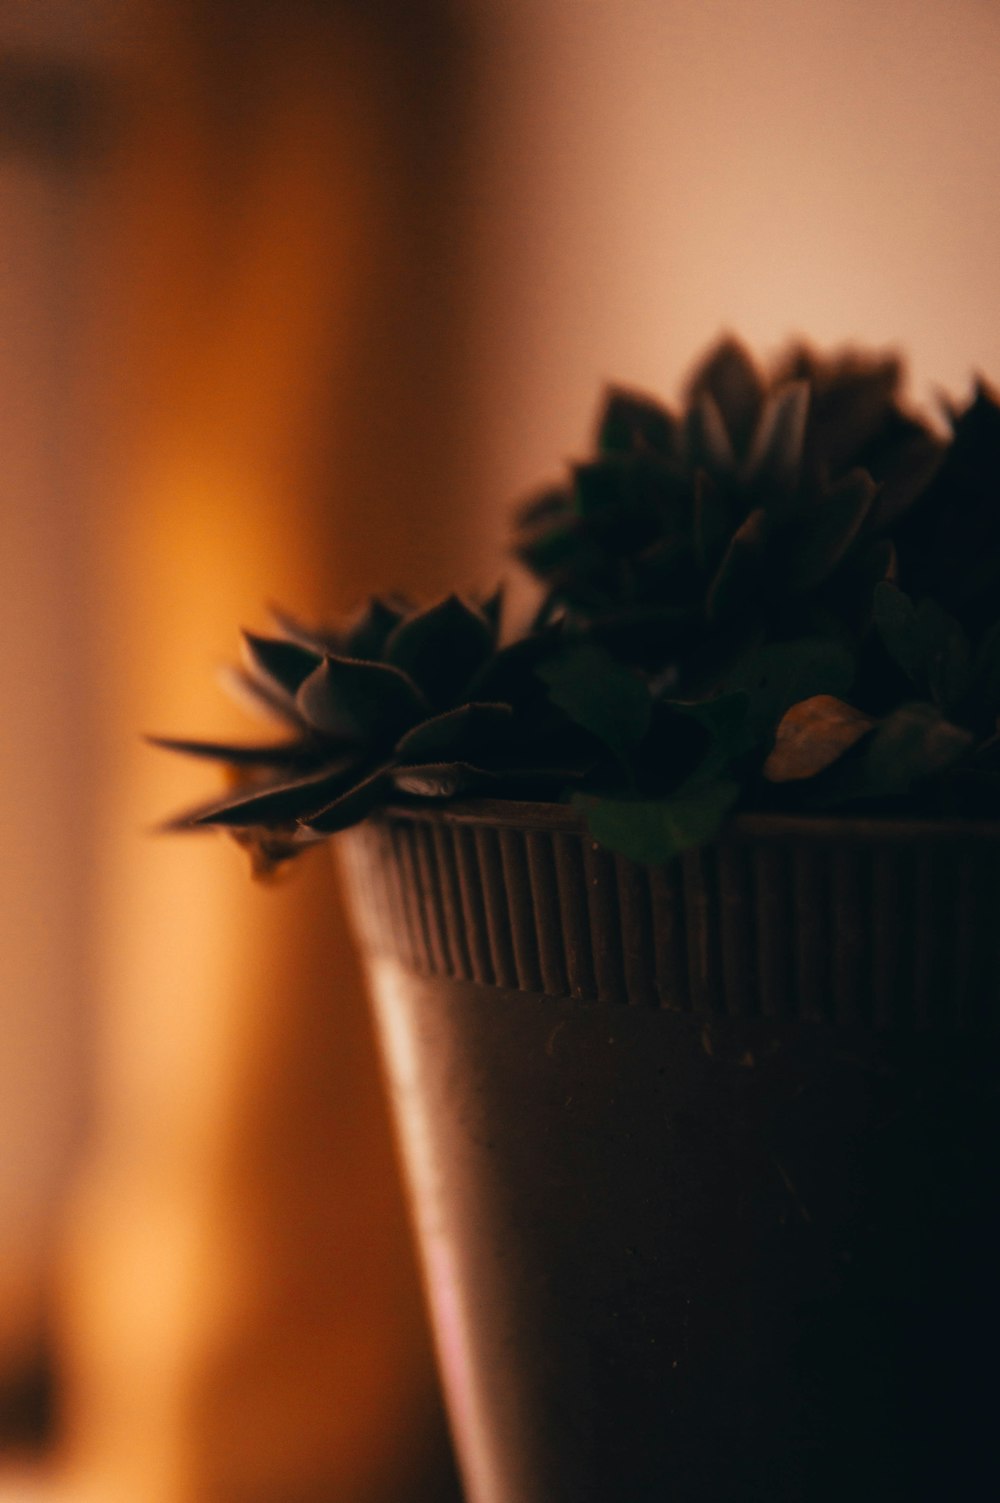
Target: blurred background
[[294, 301]]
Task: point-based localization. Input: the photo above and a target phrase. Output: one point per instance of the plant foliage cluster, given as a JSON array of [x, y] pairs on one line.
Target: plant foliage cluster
[[783, 595]]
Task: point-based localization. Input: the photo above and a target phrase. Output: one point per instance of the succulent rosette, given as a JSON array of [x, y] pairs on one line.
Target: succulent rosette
[[783, 595], [401, 702], [761, 507]]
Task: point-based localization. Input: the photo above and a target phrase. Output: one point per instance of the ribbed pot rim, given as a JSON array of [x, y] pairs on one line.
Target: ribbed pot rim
[[850, 829], [876, 922]]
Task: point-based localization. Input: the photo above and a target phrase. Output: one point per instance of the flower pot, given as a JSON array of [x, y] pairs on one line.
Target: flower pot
[[702, 1158]]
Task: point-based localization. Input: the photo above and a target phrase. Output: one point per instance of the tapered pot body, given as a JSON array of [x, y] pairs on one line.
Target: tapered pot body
[[701, 1158]]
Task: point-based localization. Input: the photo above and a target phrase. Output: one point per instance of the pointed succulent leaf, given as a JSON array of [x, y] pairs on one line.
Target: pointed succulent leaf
[[855, 399], [281, 802], [602, 695], [351, 806], [828, 529], [731, 378], [280, 754], [441, 648], [258, 696], [508, 676], [812, 735], [775, 457], [284, 665], [708, 436], [949, 540], [600, 487], [491, 608], [471, 725], [446, 779], [317, 640], [631, 423], [655, 831], [851, 590], [745, 563], [912, 462], [713, 522], [368, 633], [367, 704]]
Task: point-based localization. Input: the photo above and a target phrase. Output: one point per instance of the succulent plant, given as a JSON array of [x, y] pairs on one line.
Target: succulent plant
[[785, 596], [763, 506], [400, 702]]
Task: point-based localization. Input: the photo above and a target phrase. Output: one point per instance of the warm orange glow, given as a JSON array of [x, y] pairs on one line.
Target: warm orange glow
[[241, 1318]]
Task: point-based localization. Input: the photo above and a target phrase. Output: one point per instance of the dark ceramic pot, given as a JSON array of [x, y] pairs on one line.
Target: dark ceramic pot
[[702, 1158]]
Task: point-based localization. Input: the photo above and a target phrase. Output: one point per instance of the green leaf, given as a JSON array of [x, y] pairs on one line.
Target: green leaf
[[725, 718], [985, 686], [912, 743], [655, 831], [780, 674], [895, 619], [926, 642], [949, 667], [602, 695]]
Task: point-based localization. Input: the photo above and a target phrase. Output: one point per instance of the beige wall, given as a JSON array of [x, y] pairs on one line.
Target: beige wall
[[661, 170]]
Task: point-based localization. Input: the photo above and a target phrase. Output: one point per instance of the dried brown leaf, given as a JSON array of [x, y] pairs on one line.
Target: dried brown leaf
[[812, 735]]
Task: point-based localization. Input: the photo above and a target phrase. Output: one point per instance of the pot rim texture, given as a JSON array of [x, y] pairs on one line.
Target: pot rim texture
[[519, 814], [848, 922]]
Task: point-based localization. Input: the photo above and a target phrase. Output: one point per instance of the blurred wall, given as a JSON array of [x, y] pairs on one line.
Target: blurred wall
[[660, 170], [51, 139], [271, 257]]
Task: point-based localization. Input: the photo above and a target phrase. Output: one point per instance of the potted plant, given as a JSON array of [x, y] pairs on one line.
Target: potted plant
[[681, 913]]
